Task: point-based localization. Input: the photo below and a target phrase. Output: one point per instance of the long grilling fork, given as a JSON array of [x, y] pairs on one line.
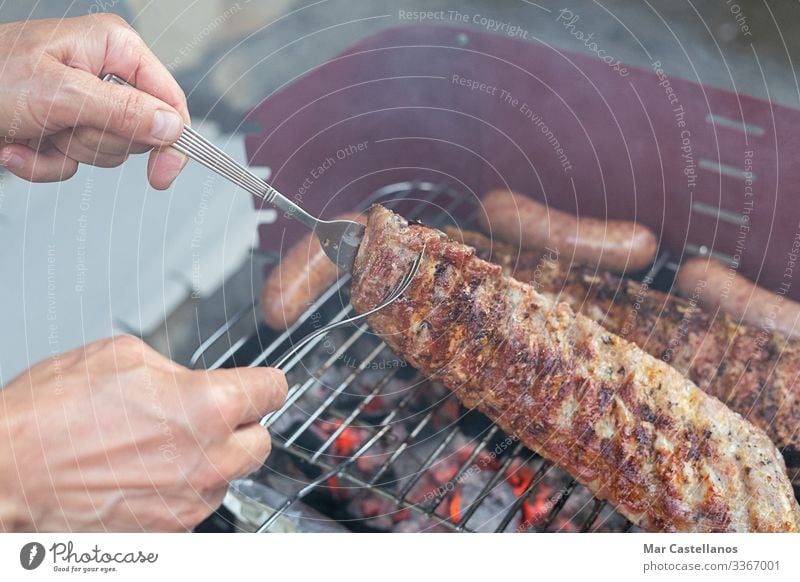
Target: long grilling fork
[[339, 238], [392, 296]]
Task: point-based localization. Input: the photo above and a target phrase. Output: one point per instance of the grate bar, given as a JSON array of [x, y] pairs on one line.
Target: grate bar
[[466, 465], [336, 393], [414, 433], [562, 501], [500, 475], [599, 504], [348, 420]]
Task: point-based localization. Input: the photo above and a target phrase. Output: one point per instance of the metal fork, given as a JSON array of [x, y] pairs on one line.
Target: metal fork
[[391, 297], [339, 238]]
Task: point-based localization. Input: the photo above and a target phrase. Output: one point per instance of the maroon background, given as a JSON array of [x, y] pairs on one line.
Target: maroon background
[[619, 133]]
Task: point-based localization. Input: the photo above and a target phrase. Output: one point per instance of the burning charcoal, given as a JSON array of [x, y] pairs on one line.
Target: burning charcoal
[[490, 510], [310, 440], [418, 523], [375, 512]]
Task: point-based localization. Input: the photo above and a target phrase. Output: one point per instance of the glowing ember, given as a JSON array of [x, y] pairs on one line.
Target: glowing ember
[[455, 506], [348, 441]]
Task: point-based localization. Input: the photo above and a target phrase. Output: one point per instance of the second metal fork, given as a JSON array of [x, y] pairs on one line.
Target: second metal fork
[[390, 298]]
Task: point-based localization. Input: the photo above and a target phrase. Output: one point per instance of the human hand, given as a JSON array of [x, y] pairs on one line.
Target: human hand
[[56, 112], [115, 437]]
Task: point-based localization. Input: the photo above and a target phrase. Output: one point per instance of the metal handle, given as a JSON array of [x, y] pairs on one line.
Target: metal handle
[[195, 146]]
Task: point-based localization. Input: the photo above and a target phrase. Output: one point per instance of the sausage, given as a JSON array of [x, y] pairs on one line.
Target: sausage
[[615, 245], [303, 274], [714, 285]]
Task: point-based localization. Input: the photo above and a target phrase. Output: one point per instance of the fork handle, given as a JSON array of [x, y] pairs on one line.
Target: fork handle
[[196, 147]]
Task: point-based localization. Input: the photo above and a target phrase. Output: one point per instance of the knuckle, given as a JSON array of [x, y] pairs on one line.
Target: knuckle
[[58, 109], [88, 137], [228, 400], [217, 413], [110, 20], [127, 342], [134, 107], [128, 113], [184, 104]]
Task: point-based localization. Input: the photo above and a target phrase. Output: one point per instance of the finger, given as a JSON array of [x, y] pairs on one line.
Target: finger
[[164, 166], [85, 100], [127, 347], [46, 165], [246, 450], [252, 392], [67, 144], [129, 57], [105, 142]]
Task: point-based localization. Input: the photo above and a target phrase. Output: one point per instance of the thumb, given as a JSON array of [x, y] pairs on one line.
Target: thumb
[[120, 110]]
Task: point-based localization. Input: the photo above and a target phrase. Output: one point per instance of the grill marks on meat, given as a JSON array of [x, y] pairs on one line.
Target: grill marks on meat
[[753, 371], [628, 426]]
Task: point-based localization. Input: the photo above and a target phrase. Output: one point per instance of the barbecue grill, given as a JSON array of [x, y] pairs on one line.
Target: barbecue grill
[[399, 430], [365, 443]]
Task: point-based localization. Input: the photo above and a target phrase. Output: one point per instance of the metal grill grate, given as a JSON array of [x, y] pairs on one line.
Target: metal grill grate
[[323, 406]]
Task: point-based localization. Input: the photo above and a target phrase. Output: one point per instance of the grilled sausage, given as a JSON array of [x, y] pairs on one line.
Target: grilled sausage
[[300, 278], [718, 286], [629, 427], [616, 245], [712, 350]]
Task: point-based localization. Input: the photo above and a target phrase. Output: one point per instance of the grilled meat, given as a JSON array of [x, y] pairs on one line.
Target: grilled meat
[[628, 426], [753, 371]]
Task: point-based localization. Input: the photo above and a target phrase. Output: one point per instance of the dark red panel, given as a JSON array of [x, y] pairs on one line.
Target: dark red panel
[[627, 152]]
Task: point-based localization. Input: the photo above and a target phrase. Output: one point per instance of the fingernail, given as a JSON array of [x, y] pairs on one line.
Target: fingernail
[[167, 126], [10, 160]]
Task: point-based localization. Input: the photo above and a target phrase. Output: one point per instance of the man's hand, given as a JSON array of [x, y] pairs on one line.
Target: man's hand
[[55, 112], [115, 437]]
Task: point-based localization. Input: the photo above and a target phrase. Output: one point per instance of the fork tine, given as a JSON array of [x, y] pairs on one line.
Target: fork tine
[[390, 298]]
